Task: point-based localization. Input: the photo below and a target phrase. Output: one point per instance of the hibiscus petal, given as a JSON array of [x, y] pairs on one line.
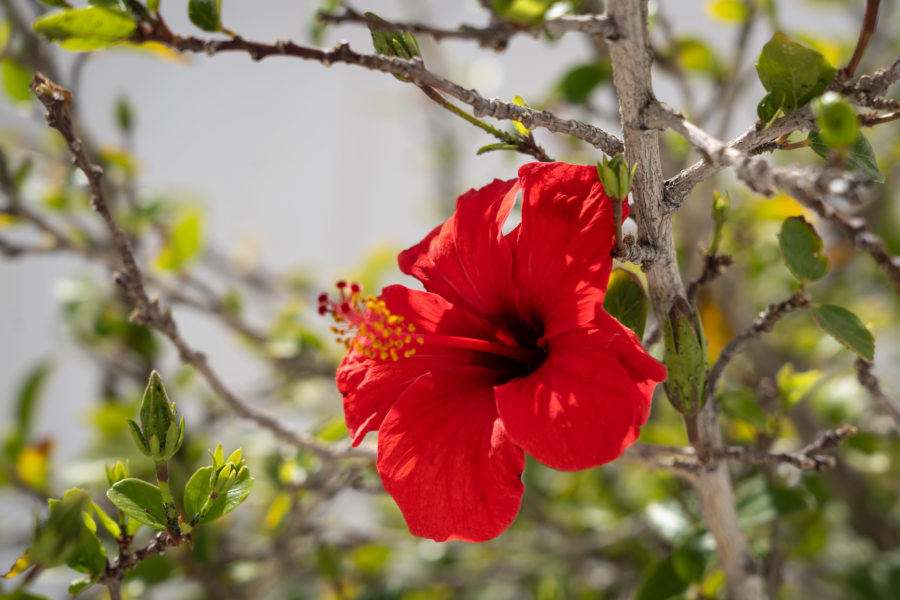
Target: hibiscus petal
[[562, 247], [446, 459], [467, 260], [370, 386], [581, 408]]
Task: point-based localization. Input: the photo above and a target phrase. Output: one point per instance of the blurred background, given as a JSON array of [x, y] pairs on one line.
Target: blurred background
[[290, 175]]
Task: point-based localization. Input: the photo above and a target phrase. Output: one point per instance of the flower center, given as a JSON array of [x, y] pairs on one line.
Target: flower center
[[365, 324]]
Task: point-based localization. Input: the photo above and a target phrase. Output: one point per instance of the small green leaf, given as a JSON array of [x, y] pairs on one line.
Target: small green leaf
[[185, 241], [792, 74], [86, 28], [694, 54], [626, 300], [802, 249], [836, 119], [392, 42], [27, 396], [492, 147], [206, 14], [139, 500], [198, 488], [16, 79], [845, 327], [153, 5], [861, 158], [577, 84], [58, 540], [108, 523], [689, 563]]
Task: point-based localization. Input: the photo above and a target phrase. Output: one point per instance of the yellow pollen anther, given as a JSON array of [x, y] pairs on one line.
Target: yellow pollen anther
[[365, 325]]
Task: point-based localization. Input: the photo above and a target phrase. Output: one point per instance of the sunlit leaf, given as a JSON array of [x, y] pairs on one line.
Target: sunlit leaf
[[523, 12], [86, 28], [198, 488], [139, 500]]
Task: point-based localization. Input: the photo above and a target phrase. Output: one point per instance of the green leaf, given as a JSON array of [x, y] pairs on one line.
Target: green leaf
[[845, 327], [802, 249], [206, 14], [492, 147], [16, 79], [392, 42], [661, 582], [90, 555], [861, 158], [139, 500], [689, 563], [626, 300], [86, 28], [185, 241], [108, 523], [59, 539], [792, 74], [58, 3], [744, 406], [577, 84], [523, 12], [836, 119], [27, 397], [153, 5], [759, 504], [198, 488]]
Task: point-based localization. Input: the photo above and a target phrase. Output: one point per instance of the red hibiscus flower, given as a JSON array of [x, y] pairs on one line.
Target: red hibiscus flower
[[507, 351]]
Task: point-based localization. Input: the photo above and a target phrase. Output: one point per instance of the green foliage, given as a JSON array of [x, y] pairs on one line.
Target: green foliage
[[729, 11], [390, 42], [140, 500], [616, 176], [16, 79], [87, 28], [844, 326], [185, 241], [212, 493], [836, 119], [792, 74], [859, 158], [579, 82], [802, 249], [206, 14], [626, 300]]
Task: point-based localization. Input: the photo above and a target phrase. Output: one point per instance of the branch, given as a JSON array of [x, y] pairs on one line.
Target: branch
[[495, 36], [713, 267], [763, 323], [868, 380], [632, 77], [870, 20], [808, 185], [412, 70], [808, 458], [148, 312]]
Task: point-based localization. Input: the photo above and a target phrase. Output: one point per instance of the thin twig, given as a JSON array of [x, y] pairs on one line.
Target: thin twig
[[764, 322], [870, 19], [412, 70], [495, 36], [808, 458], [148, 312], [868, 380], [713, 267]]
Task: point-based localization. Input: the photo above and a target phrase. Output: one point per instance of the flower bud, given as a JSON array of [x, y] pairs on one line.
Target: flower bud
[[159, 435], [117, 472], [616, 176], [685, 358]]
